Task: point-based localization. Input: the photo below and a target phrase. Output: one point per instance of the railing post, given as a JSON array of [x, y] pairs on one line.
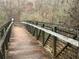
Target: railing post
[[36, 30], [1, 56], [7, 38], [4, 30], [54, 44], [2, 33], [38, 35], [78, 53], [3, 50], [33, 31], [43, 34]]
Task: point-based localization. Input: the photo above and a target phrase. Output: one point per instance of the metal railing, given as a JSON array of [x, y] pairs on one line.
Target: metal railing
[[64, 30], [4, 38], [61, 46]]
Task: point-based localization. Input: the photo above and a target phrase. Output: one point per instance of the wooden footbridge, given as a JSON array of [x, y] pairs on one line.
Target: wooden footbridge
[[38, 40]]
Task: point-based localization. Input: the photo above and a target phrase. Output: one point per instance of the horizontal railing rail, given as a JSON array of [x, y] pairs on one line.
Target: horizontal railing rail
[[61, 37], [62, 45], [4, 39], [64, 30]]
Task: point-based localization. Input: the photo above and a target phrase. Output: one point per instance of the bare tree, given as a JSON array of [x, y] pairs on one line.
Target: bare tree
[[12, 8]]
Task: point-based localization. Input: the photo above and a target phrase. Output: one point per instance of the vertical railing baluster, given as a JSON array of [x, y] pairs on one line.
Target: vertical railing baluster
[[4, 30], [1, 55], [39, 35], [2, 33], [3, 50], [33, 31], [54, 44], [78, 53], [36, 29], [43, 35]]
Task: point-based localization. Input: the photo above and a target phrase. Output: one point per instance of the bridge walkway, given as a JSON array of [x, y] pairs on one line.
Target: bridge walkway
[[24, 46]]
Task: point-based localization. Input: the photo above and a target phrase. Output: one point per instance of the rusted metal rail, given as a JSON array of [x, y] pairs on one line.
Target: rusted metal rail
[[62, 47]]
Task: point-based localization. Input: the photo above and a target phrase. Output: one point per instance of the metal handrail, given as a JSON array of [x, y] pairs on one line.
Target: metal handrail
[[5, 39], [53, 24], [46, 35], [61, 37], [4, 36], [64, 30]]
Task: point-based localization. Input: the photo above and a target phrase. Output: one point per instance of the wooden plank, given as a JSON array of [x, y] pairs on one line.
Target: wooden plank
[[61, 37]]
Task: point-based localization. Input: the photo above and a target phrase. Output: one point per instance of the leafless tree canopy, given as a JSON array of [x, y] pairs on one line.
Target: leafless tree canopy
[[12, 8], [55, 11]]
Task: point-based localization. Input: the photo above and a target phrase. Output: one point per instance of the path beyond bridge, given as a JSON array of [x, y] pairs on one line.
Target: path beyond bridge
[[24, 46]]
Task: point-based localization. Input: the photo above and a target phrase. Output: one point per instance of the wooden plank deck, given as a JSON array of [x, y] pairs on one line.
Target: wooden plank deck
[[24, 46]]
